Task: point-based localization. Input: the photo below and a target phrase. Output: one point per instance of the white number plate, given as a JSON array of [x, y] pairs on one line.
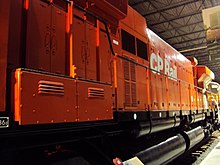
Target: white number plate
[[4, 122]]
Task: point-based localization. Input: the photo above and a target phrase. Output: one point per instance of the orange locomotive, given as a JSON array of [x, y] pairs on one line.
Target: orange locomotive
[[77, 62], [94, 60]]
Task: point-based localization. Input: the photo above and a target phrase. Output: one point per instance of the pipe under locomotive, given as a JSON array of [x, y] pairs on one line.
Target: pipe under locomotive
[[94, 65]]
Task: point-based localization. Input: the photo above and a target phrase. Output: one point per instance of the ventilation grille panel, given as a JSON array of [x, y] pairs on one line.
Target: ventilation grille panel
[[133, 94], [126, 70], [50, 87], [96, 93], [130, 94], [127, 94], [133, 72]]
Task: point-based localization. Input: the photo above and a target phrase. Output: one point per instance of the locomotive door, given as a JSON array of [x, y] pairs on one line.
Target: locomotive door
[[38, 36], [58, 40], [4, 28], [90, 51], [79, 46], [45, 49], [105, 58], [84, 45]]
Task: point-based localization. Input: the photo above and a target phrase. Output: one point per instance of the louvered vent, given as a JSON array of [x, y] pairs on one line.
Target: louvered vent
[[127, 94], [126, 70], [133, 95], [50, 87], [96, 93], [133, 73], [130, 83], [133, 85]]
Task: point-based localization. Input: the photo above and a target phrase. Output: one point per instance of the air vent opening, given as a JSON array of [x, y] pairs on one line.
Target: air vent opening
[[50, 87], [96, 93]]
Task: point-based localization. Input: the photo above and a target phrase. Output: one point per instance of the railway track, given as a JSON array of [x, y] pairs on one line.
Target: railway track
[[198, 153]]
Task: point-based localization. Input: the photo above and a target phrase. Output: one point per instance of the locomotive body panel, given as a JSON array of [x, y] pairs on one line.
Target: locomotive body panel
[[132, 74], [142, 82], [94, 101], [79, 46], [200, 101], [90, 52], [58, 34], [38, 29], [41, 98], [4, 28], [134, 23], [133, 81], [158, 92], [106, 59], [46, 24], [126, 79], [174, 96], [177, 70], [16, 36], [193, 98], [185, 96]]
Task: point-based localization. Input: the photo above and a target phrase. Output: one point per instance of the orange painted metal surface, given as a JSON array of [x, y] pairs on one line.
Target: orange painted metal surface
[[193, 98], [204, 70], [193, 60], [94, 101], [109, 10], [114, 8], [135, 22], [147, 74], [164, 60], [174, 95], [46, 24], [38, 53], [4, 28], [131, 93], [204, 76], [69, 46], [119, 83], [90, 55], [200, 100], [171, 77], [132, 79], [185, 96], [84, 46], [26, 4], [41, 98], [16, 40], [105, 59], [142, 84], [78, 47]]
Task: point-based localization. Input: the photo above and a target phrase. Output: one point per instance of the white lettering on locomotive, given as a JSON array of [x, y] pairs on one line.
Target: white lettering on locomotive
[[160, 65]]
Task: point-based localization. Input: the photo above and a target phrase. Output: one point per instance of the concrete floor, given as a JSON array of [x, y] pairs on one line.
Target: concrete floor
[[213, 158]]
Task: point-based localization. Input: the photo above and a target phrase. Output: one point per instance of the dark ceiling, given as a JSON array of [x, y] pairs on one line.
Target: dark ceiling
[[180, 23]]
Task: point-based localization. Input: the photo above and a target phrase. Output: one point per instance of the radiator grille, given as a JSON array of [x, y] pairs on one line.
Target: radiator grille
[[127, 94], [133, 73], [96, 93], [50, 87], [133, 95], [133, 85], [126, 70], [130, 83]]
